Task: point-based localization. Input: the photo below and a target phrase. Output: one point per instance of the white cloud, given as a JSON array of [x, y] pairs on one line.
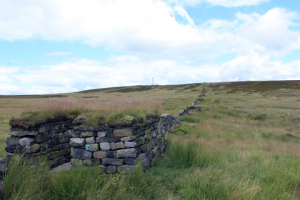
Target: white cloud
[[58, 53], [132, 70], [225, 3], [148, 27]]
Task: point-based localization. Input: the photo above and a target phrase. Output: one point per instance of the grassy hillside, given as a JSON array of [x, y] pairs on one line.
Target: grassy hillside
[[245, 144]]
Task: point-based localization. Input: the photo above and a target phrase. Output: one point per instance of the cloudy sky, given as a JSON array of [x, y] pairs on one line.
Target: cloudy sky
[[57, 46]]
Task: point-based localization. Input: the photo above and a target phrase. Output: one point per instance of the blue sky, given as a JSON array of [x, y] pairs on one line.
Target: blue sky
[[59, 46]]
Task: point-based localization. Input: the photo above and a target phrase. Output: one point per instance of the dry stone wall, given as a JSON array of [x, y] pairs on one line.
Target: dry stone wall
[[112, 148]]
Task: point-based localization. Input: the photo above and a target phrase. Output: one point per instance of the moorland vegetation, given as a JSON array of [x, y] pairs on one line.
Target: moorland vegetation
[[245, 144]]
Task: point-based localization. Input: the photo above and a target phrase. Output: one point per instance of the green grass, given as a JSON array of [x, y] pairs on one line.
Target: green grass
[[190, 119]]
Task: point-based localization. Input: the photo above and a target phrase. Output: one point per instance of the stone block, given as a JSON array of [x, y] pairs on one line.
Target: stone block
[[104, 146], [64, 152], [125, 169], [102, 168], [55, 136], [15, 133], [57, 162], [76, 162], [111, 154], [34, 148], [77, 142], [139, 141], [145, 148], [119, 145], [148, 131], [130, 161], [111, 161], [43, 129], [44, 146], [154, 133], [15, 149], [92, 147], [30, 133], [53, 155], [90, 140], [87, 134], [91, 162], [52, 143], [129, 138], [107, 139], [64, 140], [126, 153], [111, 169], [12, 141], [69, 133], [61, 146], [99, 154], [101, 134], [123, 132], [76, 134], [130, 144], [81, 153], [43, 137]]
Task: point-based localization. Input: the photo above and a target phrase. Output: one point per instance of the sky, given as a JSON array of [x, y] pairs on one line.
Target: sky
[[61, 46]]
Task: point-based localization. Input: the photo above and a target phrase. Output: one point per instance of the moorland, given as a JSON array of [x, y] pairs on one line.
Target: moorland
[[245, 144]]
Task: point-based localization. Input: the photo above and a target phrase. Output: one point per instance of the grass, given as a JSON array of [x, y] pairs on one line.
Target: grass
[[244, 145]]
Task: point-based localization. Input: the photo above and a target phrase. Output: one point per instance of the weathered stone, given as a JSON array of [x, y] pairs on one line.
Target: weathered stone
[[15, 149], [130, 144], [101, 134], [102, 168], [87, 134], [64, 167], [12, 141], [52, 143], [15, 133], [34, 148], [125, 169], [76, 134], [57, 162], [92, 147], [123, 132], [77, 142], [90, 140], [91, 162], [64, 140], [104, 146], [111, 161], [53, 155], [130, 161], [145, 163], [111, 154], [107, 139], [139, 141], [148, 131], [43, 137], [64, 152], [69, 133], [129, 138], [99, 154], [119, 145], [80, 153], [145, 148], [76, 162], [43, 129], [154, 150], [61, 146], [44, 146], [154, 133], [55, 136], [31, 133], [126, 153], [111, 169]]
